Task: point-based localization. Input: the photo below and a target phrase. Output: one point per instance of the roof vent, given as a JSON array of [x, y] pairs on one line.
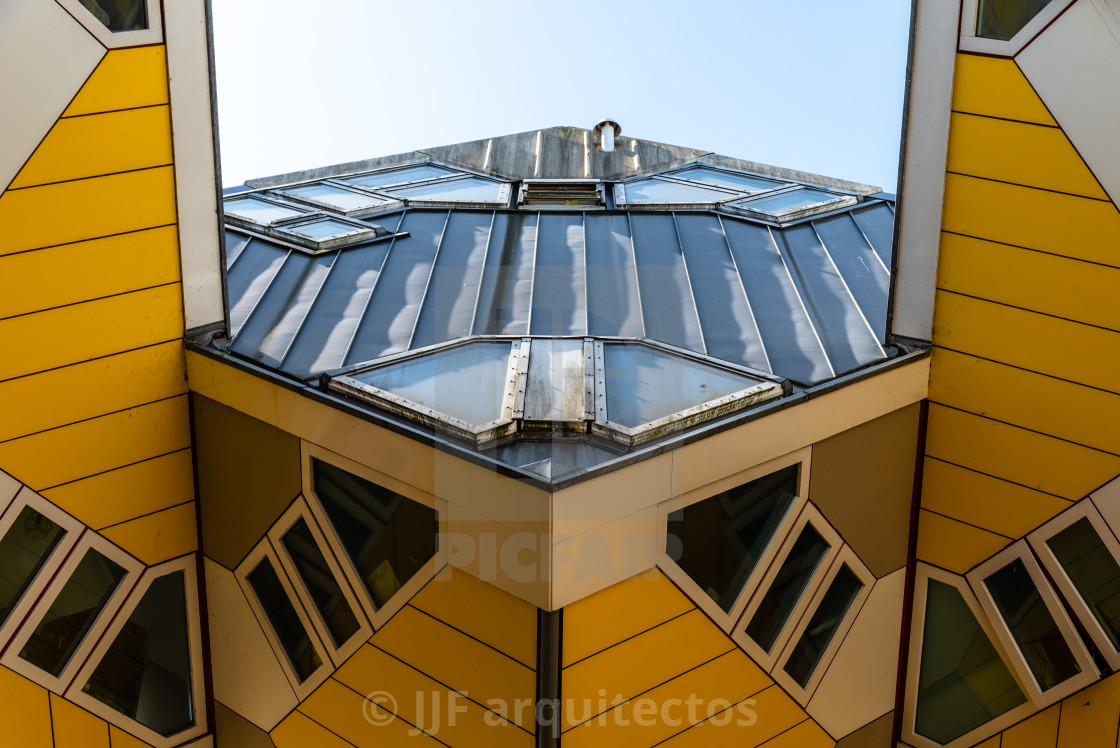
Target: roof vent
[[607, 130], [560, 193]]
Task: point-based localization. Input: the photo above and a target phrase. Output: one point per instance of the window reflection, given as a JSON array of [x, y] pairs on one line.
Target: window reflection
[[822, 626], [786, 589], [316, 575], [281, 613], [26, 546], [1093, 571]]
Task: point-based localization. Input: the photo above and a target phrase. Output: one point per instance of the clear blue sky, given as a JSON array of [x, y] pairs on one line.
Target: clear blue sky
[[808, 84]]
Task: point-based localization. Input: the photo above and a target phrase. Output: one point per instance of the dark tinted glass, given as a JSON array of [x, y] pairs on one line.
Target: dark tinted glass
[[963, 682], [324, 588], [721, 539], [786, 589], [822, 626], [1003, 19], [72, 613], [119, 15], [1093, 571], [146, 674], [23, 549], [1032, 626], [285, 621], [387, 536]]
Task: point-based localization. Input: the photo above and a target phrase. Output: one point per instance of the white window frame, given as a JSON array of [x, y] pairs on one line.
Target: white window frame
[[845, 557], [118, 39], [39, 583], [9, 487], [187, 565], [1084, 509], [58, 684], [285, 229], [924, 573], [264, 551], [727, 619], [377, 616], [970, 42], [1040, 698], [300, 510], [809, 515]]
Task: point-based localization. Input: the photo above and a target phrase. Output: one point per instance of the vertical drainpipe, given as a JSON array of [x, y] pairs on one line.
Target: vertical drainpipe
[[548, 706]]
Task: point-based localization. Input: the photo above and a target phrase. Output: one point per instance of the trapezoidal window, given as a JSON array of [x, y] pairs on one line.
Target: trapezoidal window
[[387, 538], [960, 690], [1003, 19], [119, 15], [719, 541]]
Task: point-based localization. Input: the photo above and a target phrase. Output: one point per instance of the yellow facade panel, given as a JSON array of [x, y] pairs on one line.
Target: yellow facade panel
[[74, 727], [25, 716], [1069, 411], [158, 537], [808, 734], [118, 738], [1003, 508], [644, 661], [74, 393], [482, 611], [619, 612], [351, 716], [744, 725], [664, 711], [79, 332], [1090, 717], [1040, 731], [1028, 340], [1050, 284], [453, 658], [1024, 154], [1052, 222], [131, 491], [996, 87], [427, 704], [954, 545], [299, 731], [88, 270], [86, 209], [1017, 455], [82, 147], [125, 79], [66, 454]]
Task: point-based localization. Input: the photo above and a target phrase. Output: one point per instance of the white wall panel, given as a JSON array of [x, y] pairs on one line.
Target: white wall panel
[[45, 56]]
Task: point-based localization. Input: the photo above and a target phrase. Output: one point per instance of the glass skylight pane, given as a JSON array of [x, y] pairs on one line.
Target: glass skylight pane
[[285, 621], [721, 539], [467, 382], [327, 228], [336, 197], [963, 682], [659, 191], [725, 179], [1093, 571], [387, 536], [786, 589], [259, 211], [71, 614], [469, 190], [399, 176], [25, 547], [146, 674], [786, 201], [1032, 626]]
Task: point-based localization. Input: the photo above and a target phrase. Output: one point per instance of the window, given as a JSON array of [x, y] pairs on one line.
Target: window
[[73, 613], [323, 232], [1080, 554], [790, 205], [320, 583], [802, 561], [338, 198], [146, 674], [1045, 651], [119, 15], [387, 539], [1005, 27], [817, 637], [1003, 19], [283, 619], [260, 211], [959, 688], [119, 23]]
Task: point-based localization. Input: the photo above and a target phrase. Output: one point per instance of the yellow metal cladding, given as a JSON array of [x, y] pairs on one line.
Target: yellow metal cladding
[[1086, 719], [94, 402], [460, 644], [1023, 385], [644, 666]]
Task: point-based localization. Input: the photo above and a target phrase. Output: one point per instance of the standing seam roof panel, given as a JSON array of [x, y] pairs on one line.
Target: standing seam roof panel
[[256, 266], [559, 280], [613, 306], [668, 310], [866, 278], [505, 292], [877, 224]]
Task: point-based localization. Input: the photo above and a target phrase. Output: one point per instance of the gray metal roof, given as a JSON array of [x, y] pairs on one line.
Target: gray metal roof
[[805, 301]]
